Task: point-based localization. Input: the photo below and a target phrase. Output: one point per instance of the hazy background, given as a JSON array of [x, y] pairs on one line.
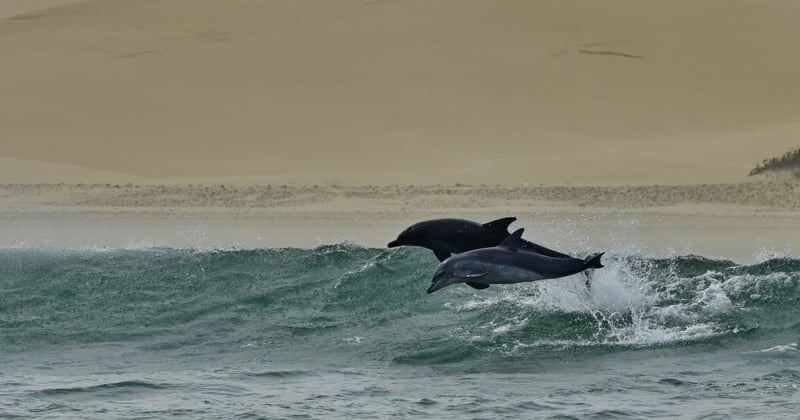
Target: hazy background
[[381, 92]]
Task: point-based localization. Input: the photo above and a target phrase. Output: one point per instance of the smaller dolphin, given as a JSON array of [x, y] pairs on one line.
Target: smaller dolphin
[[506, 264], [454, 236]]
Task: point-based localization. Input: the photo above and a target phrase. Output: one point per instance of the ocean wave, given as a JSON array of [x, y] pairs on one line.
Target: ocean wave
[[111, 387], [344, 298]]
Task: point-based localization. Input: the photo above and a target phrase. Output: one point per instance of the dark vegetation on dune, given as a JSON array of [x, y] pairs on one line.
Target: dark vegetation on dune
[[789, 161]]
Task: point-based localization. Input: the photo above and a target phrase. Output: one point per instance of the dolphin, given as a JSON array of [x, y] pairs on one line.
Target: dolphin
[[506, 264], [453, 236]]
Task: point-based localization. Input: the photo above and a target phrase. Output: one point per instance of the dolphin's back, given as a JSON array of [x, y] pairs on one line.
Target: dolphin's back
[[546, 267], [458, 235], [534, 247]]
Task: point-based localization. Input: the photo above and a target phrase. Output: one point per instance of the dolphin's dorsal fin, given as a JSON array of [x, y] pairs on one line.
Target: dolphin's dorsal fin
[[441, 254], [499, 225], [514, 241]]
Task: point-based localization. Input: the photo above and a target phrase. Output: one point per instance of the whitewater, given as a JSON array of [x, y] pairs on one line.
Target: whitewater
[[345, 331]]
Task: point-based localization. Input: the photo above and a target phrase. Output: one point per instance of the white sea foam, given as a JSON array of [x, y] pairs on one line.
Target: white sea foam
[[622, 299], [354, 340], [615, 287], [636, 335], [781, 348], [765, 254]]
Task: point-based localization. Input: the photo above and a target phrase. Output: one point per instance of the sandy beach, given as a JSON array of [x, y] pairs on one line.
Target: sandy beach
[[279, 123]]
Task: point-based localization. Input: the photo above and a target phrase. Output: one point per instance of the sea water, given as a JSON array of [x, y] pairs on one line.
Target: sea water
[[343, 331]]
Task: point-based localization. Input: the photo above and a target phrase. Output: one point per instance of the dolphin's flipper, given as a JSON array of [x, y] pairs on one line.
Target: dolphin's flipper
[[499, 225], [441, 254], [514, 241], [479, 286]]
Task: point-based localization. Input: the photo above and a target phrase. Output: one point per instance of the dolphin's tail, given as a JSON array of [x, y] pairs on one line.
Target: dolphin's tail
[[593, 261]]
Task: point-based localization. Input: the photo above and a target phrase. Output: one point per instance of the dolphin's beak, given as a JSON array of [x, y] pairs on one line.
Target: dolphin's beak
[[436, 286], [438, 281], [394, 243]]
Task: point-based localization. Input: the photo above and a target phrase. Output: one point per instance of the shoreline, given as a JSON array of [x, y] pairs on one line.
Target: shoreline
[[742, 222]]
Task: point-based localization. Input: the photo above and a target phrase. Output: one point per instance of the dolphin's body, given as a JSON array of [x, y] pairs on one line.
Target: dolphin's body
[[506, 263], [453, 236]]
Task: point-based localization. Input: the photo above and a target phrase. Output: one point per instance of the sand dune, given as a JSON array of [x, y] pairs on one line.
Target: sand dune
[[408, 92]]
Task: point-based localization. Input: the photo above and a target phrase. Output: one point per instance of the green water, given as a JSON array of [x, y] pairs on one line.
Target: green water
[[344, 331]]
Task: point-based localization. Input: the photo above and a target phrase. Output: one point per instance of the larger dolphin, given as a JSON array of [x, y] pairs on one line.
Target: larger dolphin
[[453, 236], [506, 264]]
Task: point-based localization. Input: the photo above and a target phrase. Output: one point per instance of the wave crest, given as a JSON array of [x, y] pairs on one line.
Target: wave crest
[[169, 300]]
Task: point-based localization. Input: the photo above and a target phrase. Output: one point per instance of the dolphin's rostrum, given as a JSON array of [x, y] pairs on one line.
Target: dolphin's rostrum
[[506, 264]]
